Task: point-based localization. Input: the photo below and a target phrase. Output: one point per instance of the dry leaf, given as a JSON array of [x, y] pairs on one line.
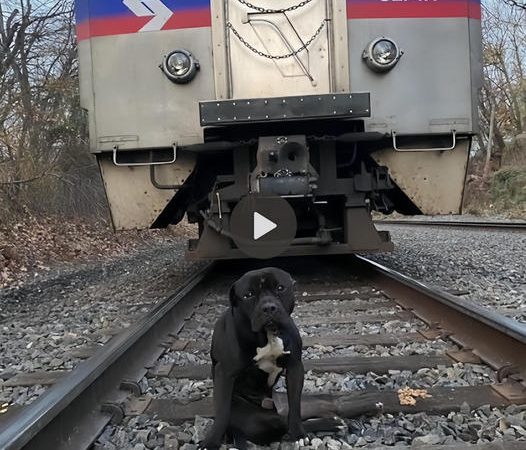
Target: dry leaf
[[407, 396]]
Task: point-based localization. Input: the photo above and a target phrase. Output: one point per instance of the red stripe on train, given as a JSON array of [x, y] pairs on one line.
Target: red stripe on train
[[131, 24], [388, 10]]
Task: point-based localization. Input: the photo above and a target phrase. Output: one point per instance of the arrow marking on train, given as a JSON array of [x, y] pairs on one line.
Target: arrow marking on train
[[156, 8]]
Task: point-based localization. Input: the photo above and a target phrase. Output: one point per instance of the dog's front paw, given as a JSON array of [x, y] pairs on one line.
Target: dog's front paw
[[304, 441], [259, 354], [207, 444], [295, 445], [295, 433]]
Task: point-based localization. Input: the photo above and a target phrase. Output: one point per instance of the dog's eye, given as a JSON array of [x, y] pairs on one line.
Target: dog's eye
[[248, 295], [280, 287]]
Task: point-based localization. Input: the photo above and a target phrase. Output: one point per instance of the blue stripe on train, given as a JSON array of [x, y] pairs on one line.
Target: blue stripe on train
[[98, 9]]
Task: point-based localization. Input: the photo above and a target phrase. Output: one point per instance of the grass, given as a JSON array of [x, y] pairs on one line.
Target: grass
[[504, 194]]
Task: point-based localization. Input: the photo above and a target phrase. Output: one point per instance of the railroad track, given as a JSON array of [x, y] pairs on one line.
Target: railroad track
[[357, 318], [484, 225]]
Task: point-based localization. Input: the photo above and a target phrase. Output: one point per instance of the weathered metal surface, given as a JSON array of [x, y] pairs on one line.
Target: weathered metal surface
[[434, 181], [133, 106], [514, 392], [464, 356], [433, 88], [243, 72], [133, 200], [131, 103]]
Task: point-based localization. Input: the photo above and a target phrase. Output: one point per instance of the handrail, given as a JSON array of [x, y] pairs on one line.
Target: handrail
[[430, 149]]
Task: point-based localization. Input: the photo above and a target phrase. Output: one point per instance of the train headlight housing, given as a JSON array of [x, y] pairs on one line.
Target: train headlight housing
[[180, 66], [382, 54]]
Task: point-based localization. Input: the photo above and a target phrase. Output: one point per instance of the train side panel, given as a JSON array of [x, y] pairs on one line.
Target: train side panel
[[433, 90], [132, 106]]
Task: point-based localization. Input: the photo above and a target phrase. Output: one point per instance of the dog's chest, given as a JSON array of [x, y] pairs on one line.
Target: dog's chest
[[273, 350], [267, 356]]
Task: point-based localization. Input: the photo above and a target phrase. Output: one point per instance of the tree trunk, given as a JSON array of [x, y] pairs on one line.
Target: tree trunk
[[487, 164]]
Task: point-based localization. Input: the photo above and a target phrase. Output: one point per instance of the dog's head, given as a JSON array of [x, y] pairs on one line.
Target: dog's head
[[265, 297]]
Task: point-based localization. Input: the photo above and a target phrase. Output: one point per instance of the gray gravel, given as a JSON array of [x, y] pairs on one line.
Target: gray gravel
[[84, 307], [392, 326], [70, 309], [401, 349], [490, 265], [477, 426], [458, 375]]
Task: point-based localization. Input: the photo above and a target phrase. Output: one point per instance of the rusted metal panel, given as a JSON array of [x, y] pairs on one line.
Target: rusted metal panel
[[133, 200], [434, 181]]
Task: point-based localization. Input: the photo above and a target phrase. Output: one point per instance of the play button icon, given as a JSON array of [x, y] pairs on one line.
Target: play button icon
[[263, 227]]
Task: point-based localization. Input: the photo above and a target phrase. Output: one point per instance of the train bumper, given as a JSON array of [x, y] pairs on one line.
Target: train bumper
[[235, 111]]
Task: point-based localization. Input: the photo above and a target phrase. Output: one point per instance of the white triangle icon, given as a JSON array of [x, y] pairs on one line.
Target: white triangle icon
[[262, 226]]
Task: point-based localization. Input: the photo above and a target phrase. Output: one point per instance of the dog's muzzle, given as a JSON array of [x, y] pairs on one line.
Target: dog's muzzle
[[267, 314]]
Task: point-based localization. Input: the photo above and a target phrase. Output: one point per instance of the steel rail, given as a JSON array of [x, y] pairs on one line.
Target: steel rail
[[68, 415], [496, 339], [492, 225]]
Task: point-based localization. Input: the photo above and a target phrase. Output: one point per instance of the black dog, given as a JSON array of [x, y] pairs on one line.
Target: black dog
[[254, 341]]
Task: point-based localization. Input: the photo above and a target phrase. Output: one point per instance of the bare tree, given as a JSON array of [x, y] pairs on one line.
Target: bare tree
[[42, 127], [504, 89]]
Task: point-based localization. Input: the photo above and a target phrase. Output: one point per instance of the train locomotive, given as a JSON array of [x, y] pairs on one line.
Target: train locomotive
[[340, 108]]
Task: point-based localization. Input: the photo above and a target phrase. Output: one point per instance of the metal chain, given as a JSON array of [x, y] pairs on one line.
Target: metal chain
[[272, 11], [266, 55]]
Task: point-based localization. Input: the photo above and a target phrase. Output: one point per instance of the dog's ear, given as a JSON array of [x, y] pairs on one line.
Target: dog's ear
[[233, 297], [291, 301]]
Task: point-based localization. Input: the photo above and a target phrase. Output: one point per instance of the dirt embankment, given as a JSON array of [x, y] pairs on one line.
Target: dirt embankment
[[30, 247]]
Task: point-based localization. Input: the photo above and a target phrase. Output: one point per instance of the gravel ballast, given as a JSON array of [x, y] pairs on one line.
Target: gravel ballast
[[47, 320], [50, 319], [488, 265]]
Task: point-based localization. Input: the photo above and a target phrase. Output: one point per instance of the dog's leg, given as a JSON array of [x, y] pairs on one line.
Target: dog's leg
[[294, 377], [240, 441], [223, 388], [255, 424], [326, 424]]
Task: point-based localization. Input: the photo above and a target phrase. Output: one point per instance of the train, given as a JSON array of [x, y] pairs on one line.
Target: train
[[307, 115]]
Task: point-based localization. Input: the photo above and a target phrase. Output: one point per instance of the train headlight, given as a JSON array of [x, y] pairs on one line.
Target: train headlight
[[382, 54], [180, 66]]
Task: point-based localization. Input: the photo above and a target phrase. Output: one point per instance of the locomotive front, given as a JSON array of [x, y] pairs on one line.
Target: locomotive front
[[250, 116]]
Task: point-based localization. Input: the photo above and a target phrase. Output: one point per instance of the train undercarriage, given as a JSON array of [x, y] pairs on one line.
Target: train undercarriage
[[329, 177]]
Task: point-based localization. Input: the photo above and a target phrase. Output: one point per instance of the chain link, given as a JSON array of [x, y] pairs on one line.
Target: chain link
[[266, 55], [273, 11]]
